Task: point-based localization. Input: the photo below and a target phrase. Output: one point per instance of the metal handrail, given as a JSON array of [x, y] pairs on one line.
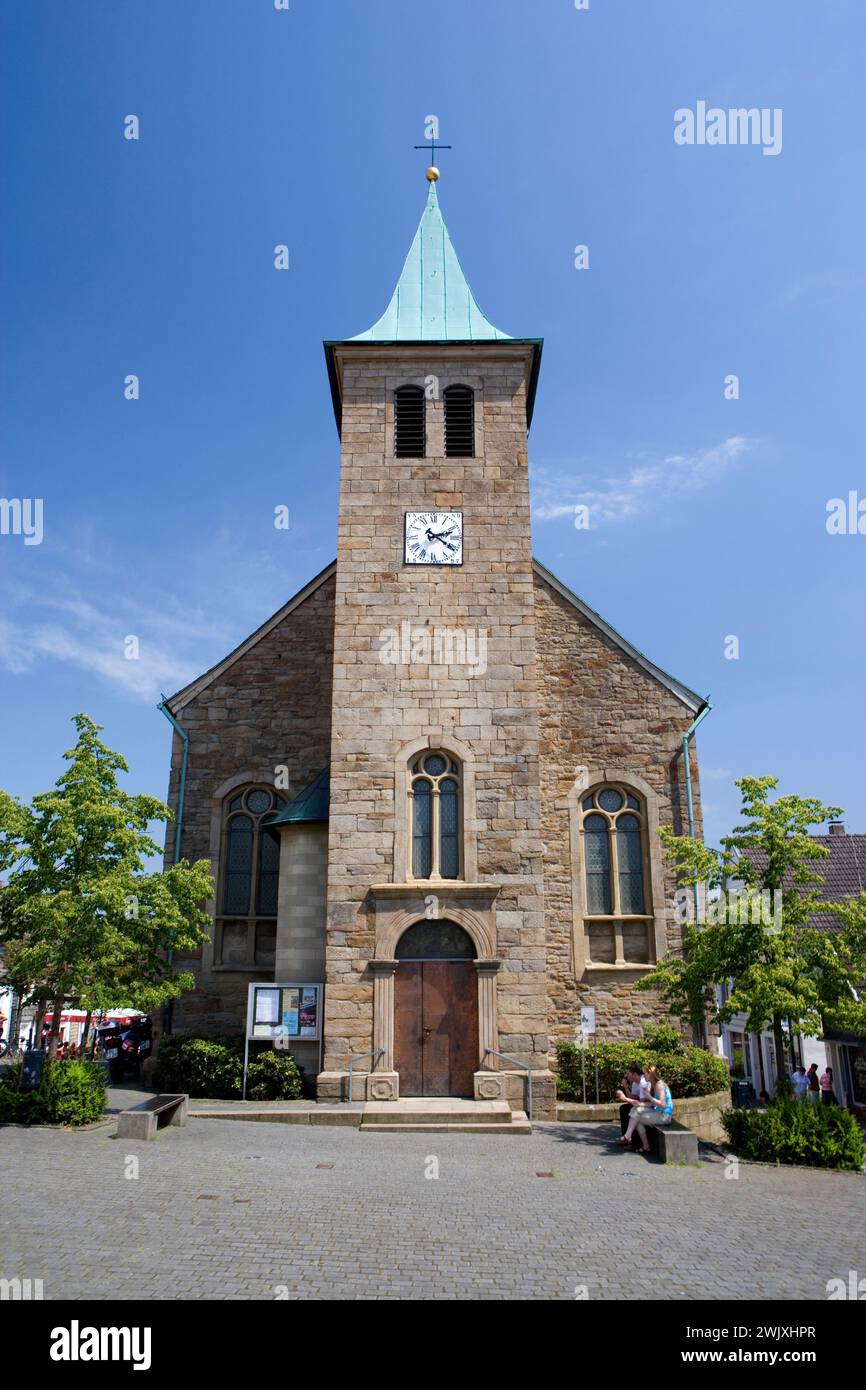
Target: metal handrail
[[359, 1057], [505, 1058]]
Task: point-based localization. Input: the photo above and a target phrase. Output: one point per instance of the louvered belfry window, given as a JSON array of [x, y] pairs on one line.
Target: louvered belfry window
[[409, 422], [459, 422]]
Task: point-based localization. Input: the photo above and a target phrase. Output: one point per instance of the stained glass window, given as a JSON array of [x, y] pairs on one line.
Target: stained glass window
[[429, 940], [250, 877], [436, 817], [597, 848], [630, 864], [269, 872], [422, 830], [613, 824], [239, 864]]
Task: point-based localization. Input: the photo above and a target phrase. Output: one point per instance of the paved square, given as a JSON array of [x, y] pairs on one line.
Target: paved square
[[237, 1209]]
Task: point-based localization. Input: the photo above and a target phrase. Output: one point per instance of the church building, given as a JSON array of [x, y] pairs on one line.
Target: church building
[[432, 781]]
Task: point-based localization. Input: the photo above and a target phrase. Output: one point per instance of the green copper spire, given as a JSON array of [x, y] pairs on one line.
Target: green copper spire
[[432, 301]]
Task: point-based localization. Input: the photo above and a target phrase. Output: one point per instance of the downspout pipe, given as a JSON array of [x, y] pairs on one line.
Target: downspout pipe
[[184, 737], [702, 714], [178, 833], [690, 731]]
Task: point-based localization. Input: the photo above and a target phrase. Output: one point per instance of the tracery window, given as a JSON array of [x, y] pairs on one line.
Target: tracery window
[[618, 921], [246, 920], [436, 816]]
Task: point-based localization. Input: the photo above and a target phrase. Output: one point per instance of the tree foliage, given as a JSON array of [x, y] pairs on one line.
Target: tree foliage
[[780, 968], [81, 919]]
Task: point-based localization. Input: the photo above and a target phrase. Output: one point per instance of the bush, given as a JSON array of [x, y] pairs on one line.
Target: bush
[[214, 1067], [689, 1071], [273, 1076], [70, 1093], [793, 1131]]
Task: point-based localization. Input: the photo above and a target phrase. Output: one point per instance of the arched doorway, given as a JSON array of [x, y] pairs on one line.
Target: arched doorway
[[435, 1010]]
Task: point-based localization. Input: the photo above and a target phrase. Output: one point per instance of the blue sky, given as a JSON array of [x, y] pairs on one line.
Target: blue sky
[[259, 127]]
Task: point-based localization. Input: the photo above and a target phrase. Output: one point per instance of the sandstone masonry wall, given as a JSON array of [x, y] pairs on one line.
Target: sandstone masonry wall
[[272, 707], [598, 707]]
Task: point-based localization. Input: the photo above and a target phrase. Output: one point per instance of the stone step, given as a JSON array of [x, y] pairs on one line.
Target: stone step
[[445, 1111], [518, 1124]]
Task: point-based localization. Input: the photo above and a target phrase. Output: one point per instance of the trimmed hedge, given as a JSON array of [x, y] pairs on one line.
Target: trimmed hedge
[[689, 1071], [213, 1067], [70, 1093], [795, 1131]]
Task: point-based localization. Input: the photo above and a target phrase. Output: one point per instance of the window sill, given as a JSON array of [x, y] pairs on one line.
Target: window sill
[[630, 966]]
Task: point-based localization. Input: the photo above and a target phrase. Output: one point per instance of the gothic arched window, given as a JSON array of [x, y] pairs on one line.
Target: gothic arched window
[[459, 422], [250, 878], [409, 423], [618, 917], [435, 809]]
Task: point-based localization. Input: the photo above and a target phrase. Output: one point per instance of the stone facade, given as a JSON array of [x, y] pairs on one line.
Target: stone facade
[[538, 703], [600, 710], [382, 712], [264, 708], [529, 732]]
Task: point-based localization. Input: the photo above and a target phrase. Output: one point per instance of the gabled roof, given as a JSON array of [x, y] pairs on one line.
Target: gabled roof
[[310, 805], [843, 872], [433, 301], [176, 702], [689, 698]]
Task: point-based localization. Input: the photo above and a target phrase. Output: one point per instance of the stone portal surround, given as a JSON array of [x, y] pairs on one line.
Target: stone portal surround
[[395, 907]]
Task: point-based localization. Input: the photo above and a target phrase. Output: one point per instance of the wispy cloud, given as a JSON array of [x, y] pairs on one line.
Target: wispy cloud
[[716, 774], [647, 483], [97, 642], [83, 611]]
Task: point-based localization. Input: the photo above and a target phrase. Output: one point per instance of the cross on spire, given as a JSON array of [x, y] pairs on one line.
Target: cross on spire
[[433, 146]]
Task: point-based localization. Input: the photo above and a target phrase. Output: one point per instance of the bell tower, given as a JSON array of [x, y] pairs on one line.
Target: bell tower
[[434, 812]]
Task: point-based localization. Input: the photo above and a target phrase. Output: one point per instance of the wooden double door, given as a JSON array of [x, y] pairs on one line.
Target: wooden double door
[[436, 1027]]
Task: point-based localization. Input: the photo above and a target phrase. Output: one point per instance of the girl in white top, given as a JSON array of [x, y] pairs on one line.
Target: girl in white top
[[658, 1111]]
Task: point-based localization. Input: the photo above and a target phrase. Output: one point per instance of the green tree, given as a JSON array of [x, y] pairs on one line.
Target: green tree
[[778, 967], [81, 920]]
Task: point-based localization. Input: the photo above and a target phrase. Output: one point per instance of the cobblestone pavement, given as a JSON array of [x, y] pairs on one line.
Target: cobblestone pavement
[[235, 1209]]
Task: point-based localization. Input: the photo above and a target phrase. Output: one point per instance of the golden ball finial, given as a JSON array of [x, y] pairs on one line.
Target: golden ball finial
[[432, 174]]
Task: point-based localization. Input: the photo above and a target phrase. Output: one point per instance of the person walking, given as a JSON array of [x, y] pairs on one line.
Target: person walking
[[828, 1095], [799, 1082], [658, 1110], [813, 1085]]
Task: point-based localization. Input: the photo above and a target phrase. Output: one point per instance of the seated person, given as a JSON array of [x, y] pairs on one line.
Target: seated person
[[658, 1110], [637, 1093]]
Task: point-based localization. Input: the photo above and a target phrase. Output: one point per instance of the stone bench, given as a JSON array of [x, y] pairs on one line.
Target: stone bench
[[673, 1143], [142, 1121]]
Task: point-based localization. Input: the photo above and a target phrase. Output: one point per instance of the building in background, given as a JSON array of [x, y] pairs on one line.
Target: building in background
[[751, 1055]]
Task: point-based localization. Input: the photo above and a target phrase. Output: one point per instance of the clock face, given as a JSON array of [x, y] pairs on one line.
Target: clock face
[[434, 538]]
